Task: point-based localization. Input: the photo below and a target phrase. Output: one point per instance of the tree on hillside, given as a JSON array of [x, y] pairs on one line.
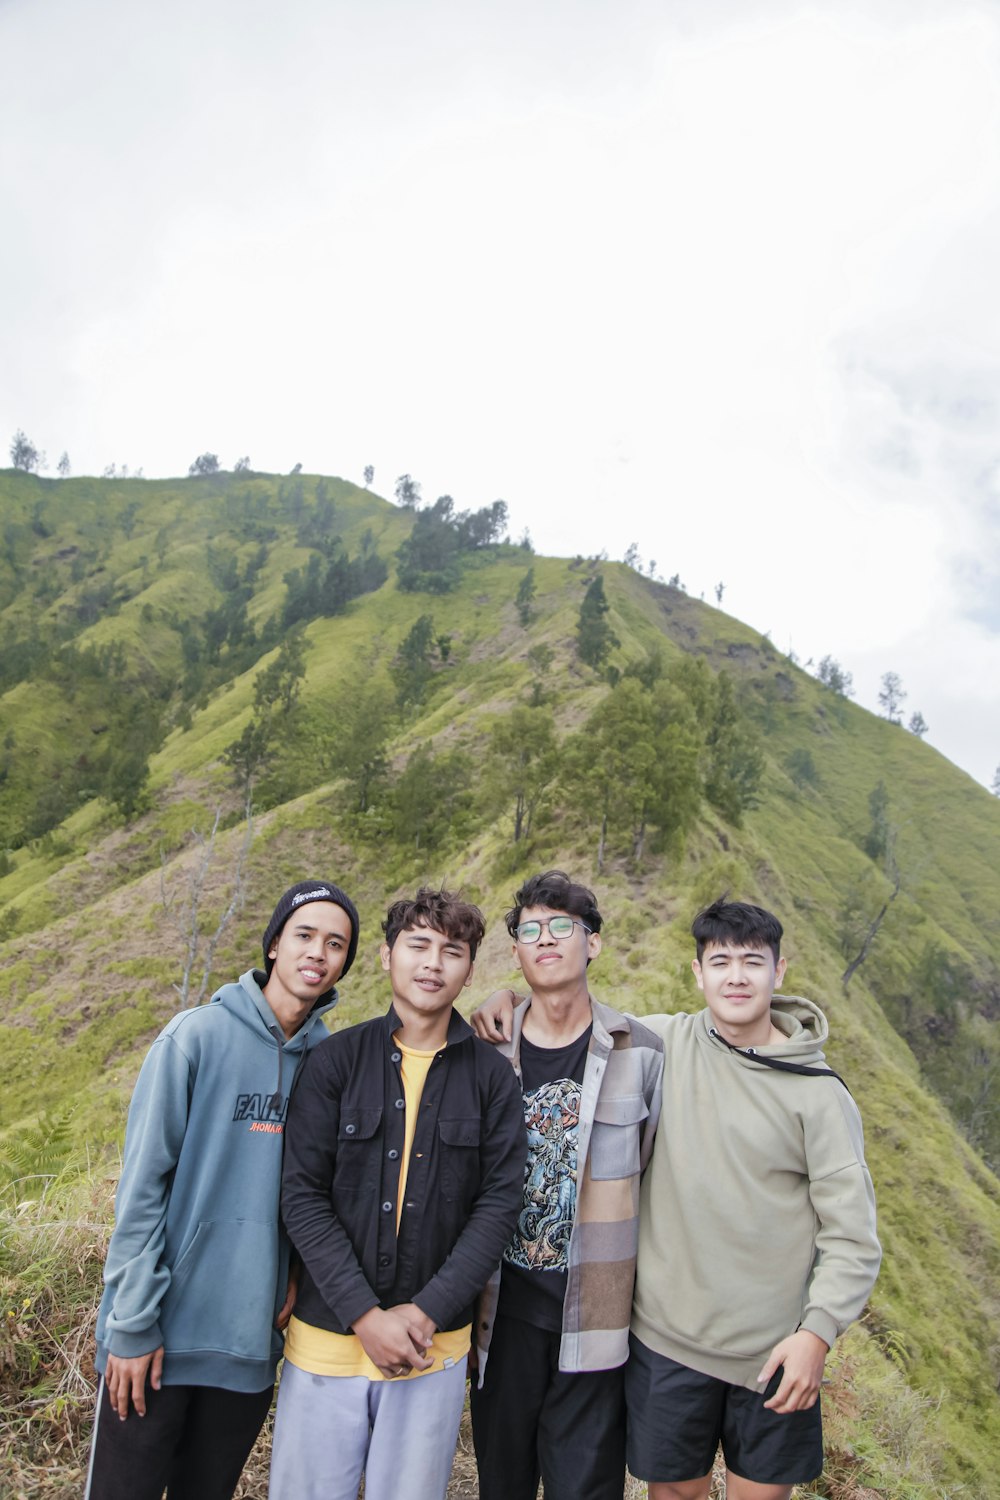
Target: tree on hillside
[[734, 758], [185, 908], [995, 783], [407, 492], [62, 467], [918, 725], [521, 763], [594, 637], [832, 675], [242, 465], [369, 474], [413, 666], [360, 737], [205, 463], [524, 597], [24, 455], [632, 558], [877, 840], [720, 589], [633, 767], [430, 797], [276, 694], [891, 696]]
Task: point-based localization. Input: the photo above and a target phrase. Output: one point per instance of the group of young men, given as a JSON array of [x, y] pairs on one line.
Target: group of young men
[[640, 1237]]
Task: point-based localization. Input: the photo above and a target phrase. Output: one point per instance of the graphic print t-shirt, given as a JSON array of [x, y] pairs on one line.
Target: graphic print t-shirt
[[533, 1282]]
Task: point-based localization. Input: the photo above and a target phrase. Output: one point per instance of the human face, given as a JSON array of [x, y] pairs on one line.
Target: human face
[[738, 983], [555, 962], [428, 969], [309, 954]]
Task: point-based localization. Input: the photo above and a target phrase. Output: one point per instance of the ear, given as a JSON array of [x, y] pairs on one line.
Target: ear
[[696, 971], [384, 953], [517, 960], [272, 952], [779, 972], [593, 944], [468, 979]]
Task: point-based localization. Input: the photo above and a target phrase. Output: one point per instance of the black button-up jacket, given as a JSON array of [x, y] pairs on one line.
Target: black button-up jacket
[[343, 1146]]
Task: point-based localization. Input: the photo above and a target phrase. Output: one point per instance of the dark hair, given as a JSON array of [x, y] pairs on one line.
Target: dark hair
[[555, 890], [441, 911], [728, 921]]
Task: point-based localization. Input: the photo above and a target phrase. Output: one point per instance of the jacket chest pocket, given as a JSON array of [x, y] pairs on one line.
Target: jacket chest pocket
[[358, 1153], [615, 1137], [459, 1146]]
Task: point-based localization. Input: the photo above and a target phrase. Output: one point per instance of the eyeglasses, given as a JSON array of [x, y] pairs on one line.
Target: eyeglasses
[[558, 927]]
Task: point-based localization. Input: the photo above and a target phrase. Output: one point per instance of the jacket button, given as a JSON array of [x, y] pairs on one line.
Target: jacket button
[[387, 1208], [383, 1260], [350, 1129], [395, 1057], [400, 1103], [393, 1154]]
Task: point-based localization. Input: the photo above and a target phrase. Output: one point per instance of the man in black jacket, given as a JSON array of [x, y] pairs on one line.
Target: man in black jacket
[[404, 1168]]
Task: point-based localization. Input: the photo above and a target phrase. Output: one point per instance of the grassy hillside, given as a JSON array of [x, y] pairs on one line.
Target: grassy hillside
[[138, 621]]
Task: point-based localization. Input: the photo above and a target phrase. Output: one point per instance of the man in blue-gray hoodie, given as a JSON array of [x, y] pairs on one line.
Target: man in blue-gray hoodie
[[197, 1275]]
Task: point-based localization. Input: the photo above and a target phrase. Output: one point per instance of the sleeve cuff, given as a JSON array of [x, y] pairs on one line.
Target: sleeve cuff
[[822, 1325], [126, 1345]]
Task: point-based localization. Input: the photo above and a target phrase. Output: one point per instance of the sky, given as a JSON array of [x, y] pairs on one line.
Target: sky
[[713, 277]]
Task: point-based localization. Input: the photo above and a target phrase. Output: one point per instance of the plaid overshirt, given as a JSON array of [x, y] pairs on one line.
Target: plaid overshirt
[[619, 1110]]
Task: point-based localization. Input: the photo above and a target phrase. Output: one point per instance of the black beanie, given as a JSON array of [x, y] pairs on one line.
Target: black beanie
[[298, 895]]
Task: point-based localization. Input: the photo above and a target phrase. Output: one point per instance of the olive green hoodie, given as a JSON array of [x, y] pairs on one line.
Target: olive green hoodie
[[757, 1215]]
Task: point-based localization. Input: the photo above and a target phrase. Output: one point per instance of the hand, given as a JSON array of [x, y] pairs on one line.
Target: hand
[[419, 1325], [126, 1378], [803, 1355], [281, 1322], [493, 1021], [385, 1338]]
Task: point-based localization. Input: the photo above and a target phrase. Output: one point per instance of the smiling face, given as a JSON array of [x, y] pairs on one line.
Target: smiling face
[[738, 982], [307, 956], [428, 970], [553, 962]]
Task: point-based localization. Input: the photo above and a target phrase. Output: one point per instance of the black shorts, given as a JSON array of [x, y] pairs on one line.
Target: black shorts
[[677, 1417]]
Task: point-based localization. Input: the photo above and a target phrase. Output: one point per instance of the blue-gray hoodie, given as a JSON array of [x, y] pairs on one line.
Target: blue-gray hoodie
[[198, 1261]]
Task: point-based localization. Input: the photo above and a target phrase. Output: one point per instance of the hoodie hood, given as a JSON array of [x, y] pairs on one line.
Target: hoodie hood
[[246, 999], [803, 1024]]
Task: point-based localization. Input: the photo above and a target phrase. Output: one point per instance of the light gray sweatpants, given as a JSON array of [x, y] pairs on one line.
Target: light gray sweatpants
[[331, 1429]]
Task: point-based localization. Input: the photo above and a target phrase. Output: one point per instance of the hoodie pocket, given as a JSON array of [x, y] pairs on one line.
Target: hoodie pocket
[[615, 1137], [223, 1289]]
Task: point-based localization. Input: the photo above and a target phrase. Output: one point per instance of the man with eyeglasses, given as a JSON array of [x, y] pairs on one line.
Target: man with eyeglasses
[[552, 1329]]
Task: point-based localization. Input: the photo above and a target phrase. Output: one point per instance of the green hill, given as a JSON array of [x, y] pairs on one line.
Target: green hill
[[166, 647]]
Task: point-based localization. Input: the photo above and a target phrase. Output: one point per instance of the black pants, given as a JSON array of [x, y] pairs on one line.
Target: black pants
[[532, 1419], [193, 1442]]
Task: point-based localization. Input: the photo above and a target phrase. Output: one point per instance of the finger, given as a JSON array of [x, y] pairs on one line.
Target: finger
[[138, 1392], [769, 1369], [505, 1026], [157, 1370], [779, 1401]]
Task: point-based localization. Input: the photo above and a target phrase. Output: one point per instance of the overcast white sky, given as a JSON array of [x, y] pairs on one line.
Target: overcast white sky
[[718, 277]]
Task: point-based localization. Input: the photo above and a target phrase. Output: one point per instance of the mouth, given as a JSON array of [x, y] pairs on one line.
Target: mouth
[[431, 986], [311, 975]]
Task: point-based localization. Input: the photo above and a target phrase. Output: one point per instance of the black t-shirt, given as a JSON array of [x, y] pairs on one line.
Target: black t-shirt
[[533, 1282]]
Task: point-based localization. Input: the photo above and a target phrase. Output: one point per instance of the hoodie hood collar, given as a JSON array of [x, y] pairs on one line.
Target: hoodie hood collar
[[802, 1022], [246, 999]]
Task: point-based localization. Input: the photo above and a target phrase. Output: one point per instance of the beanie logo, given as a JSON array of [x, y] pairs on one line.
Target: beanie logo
[[320, 890]]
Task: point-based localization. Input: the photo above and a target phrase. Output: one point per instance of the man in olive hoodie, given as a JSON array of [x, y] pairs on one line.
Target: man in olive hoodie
[[197, 1275], [757, 1238]]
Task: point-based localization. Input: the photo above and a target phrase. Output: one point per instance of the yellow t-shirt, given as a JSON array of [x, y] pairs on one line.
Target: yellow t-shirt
[[320, 1352]]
